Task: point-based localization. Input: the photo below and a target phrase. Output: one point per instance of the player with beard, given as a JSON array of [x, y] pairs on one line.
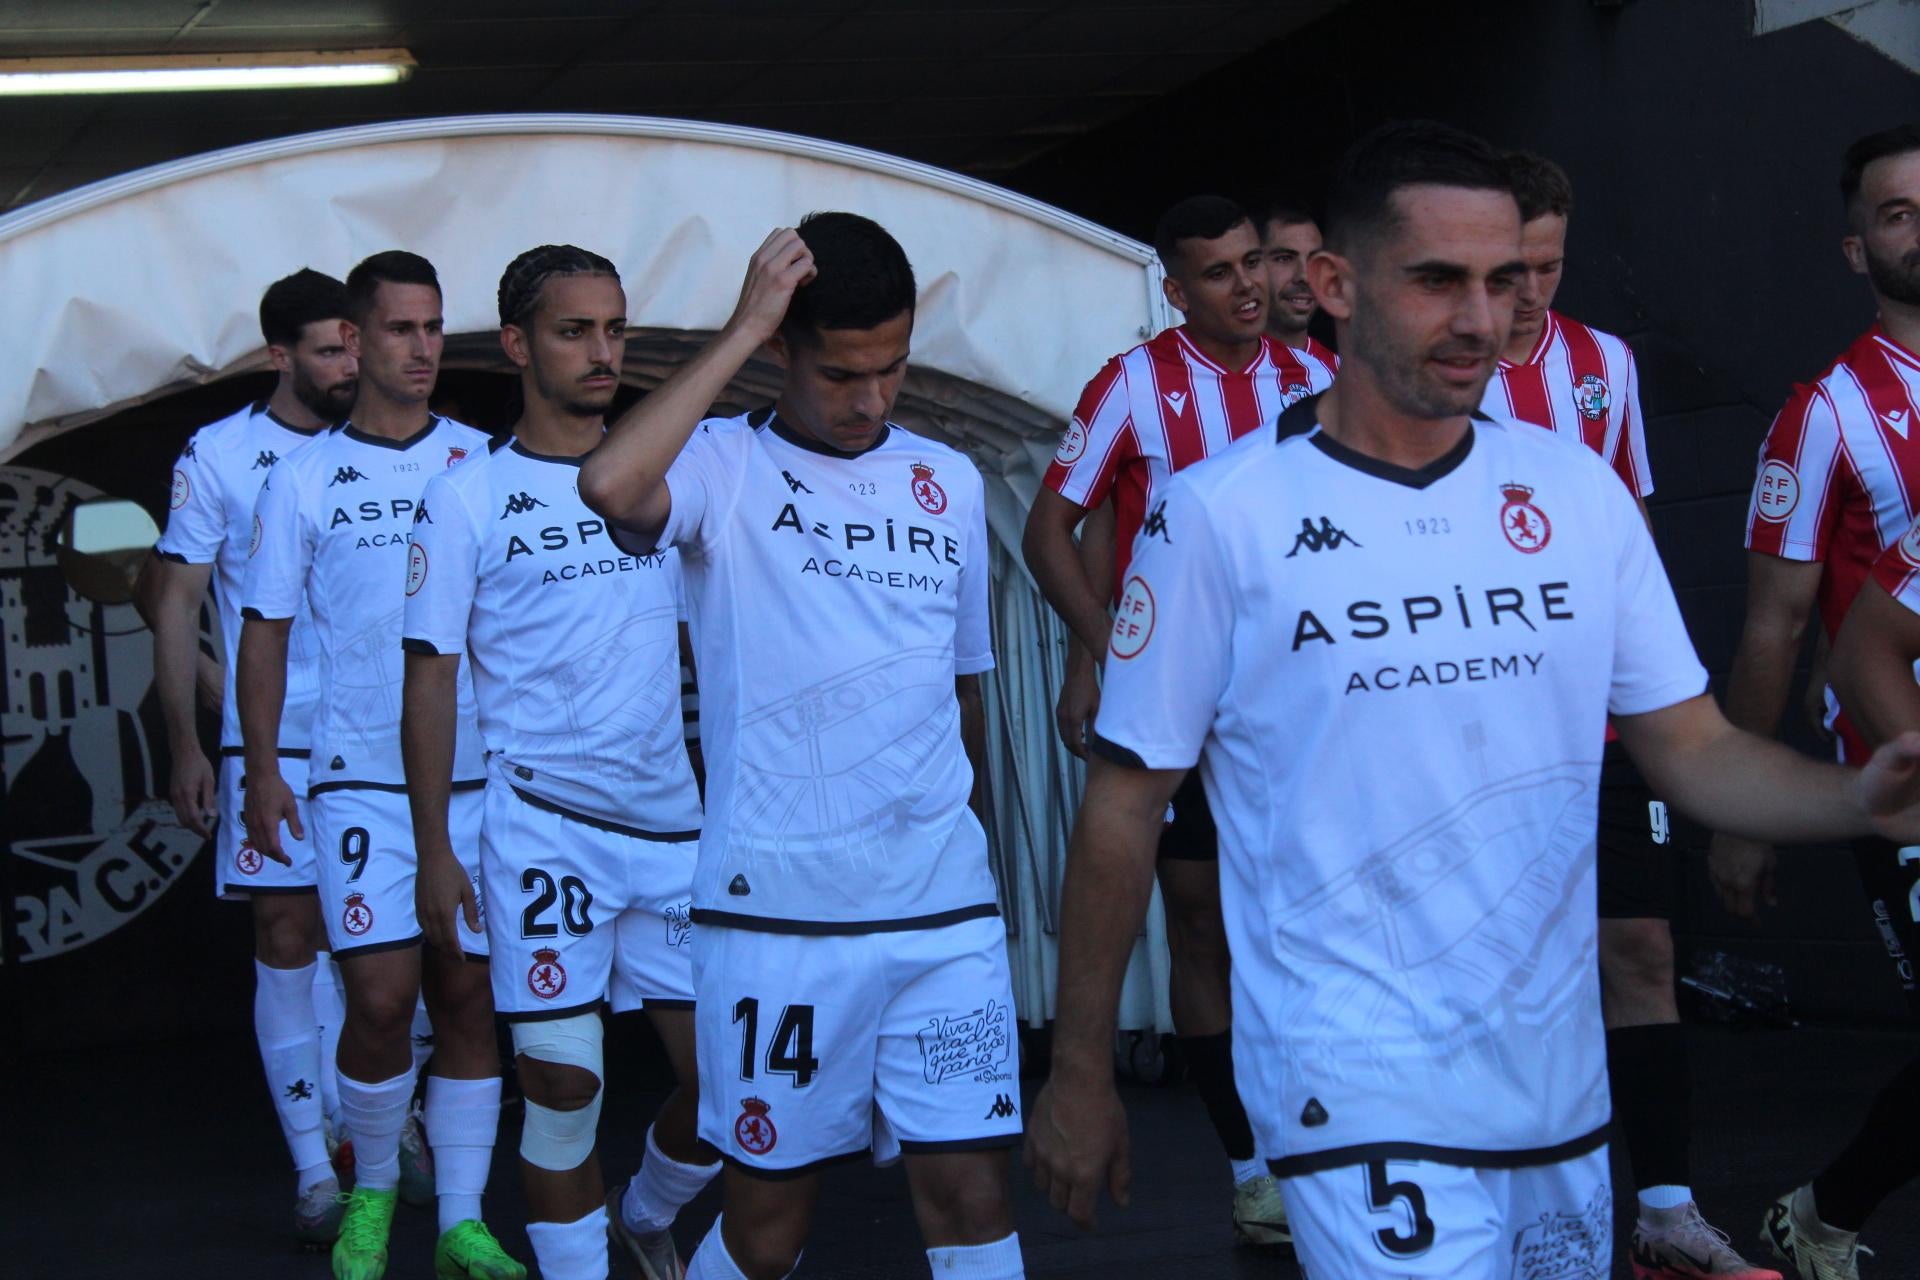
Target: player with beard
[[1565, 377], [1838, 484], [296, 1003], [1289, 235], [331, 532], [1398, 723], [851, 969], [1150, 411], [592, 815]]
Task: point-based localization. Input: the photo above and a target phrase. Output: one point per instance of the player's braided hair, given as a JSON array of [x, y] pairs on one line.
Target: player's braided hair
[[527, 275]]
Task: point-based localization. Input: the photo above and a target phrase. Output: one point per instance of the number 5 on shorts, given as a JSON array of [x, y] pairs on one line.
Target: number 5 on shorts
[[789, 1053], [1382, 1197]]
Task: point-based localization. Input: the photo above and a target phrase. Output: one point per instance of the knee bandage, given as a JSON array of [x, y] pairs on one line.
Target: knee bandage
[[561, 1140]]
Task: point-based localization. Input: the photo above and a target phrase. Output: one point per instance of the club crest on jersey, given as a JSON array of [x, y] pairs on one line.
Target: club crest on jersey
[[1910, 546], [454, 454], [1777, 492], [1295, 392], [754, 1130], [1591, 397], [1527, 528], [927, 491], [357, 917], [548, 977], [416, 567], [1072, 445], [1133, 620], [182, 490], [253, 543], [248, 858]]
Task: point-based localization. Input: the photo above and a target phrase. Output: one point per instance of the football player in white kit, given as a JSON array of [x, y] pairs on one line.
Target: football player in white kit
[[296, 1001], [332, 531], [1390, 631], [592, 813], [850, 962]]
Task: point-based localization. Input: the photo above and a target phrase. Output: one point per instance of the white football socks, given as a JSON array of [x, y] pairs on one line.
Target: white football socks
[[330, 1011], [1245, 1171], [283, 1023], [571, 1250], [375, 1114], [462, 1117], [998, 1260], [1664, 1196], [656, 1193]]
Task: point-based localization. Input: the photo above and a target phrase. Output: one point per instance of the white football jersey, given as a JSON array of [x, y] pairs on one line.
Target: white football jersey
[[833, 600], [215, 482], [333, 528], [575, 643], [1396, 684]]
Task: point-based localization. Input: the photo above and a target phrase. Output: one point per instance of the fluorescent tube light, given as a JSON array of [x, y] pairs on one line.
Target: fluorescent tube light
[[21, 77]]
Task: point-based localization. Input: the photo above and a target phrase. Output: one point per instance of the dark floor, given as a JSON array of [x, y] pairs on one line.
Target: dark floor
[[166, 1162]]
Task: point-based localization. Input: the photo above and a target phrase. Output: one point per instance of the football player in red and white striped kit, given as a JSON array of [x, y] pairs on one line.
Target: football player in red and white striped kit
[[1289, 235], [1838, 483], [1581, 384], [1161, 406]]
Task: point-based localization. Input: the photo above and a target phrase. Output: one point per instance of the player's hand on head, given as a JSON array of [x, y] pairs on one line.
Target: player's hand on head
[[1889, 789], [192, 792], [1742, 874], [269, 802], [782, 264], [442, 894], [1077, 1145]]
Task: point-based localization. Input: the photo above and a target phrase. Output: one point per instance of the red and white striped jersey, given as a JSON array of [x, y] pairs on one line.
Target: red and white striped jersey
[[1581, 383], [1839, 475], [1321, 352], [1162, 406]]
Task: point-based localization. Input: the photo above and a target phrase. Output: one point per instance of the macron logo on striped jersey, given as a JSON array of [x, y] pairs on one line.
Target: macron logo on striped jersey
[[1178, 401], [1896, 419]]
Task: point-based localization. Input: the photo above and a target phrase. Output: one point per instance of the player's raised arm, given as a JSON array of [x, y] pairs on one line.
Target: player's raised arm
[[625, 479]]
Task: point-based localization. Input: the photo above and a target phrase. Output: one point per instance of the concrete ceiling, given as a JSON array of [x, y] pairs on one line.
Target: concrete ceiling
[[978, 86]]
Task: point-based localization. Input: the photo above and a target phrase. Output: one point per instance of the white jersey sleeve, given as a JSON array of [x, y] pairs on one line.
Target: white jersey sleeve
[[443, 571], [196, 515], [703, 482], [1654, 664], [1171, 650], [281, 551], [973, 629]]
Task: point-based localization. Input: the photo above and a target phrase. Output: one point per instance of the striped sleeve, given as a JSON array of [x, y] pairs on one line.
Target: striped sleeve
[[1099, 440], [1799, 482], [1630, 447]]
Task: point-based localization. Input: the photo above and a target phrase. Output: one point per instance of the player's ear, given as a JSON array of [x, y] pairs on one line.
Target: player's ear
[[1331, 277], [778, 348], [1175, 295], [350, 338], [513, 341], [282, 358], [1854, 250]]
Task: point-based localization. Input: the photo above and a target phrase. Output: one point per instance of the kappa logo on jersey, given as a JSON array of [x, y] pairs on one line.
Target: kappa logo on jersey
[[1073, 444], [1777, 492], [416, 567], [266, 459], [1133, 620], [1527, 528], [357, 917], [754, 1130], [1896, 419], [189, 450], [548, 977], [1591, 397], [976, 1045], [346, 475], [927, 491], [253, 543], [1002, 1108], [182, 488], [520, 503], [454, 454], [1176, 401], [1325, 538], [1156, 523], [793, 485], [679, 918]]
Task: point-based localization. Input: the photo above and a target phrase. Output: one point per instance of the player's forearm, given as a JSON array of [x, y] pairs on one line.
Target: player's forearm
[[625, 478], [1054, 561], [973, 739], [1109, 880], [1762, 672], [176, 662], [261, 685], [429, 707]]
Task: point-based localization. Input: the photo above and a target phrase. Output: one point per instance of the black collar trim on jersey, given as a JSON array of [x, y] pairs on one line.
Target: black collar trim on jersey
[[284, 425], [354, 433], [564, 460], [1411, 477], [801, 440]]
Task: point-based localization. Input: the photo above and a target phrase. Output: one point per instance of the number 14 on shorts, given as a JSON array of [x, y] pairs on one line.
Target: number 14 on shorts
[[789, 1050]]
